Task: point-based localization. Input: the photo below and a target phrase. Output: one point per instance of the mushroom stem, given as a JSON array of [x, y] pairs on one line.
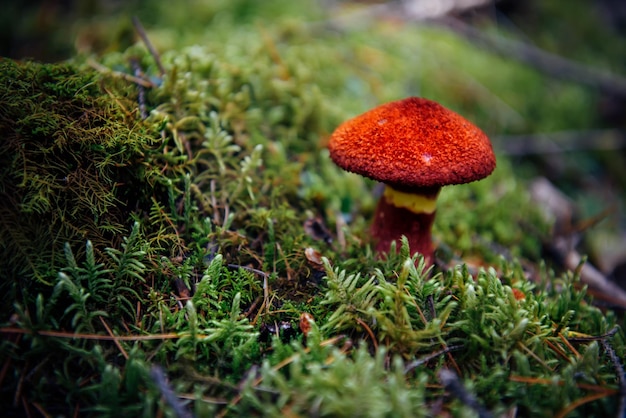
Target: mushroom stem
[[406, 213]]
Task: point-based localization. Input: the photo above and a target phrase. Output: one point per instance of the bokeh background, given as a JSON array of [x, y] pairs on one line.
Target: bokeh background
[[546, 79]]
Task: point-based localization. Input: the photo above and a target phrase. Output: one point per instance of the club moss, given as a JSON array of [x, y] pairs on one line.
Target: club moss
[[177, 243]]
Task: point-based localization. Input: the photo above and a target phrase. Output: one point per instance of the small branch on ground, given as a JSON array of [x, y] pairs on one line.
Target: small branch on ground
[[454, 386], [144, 37]]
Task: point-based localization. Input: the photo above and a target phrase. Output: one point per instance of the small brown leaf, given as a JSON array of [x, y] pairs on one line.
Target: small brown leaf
[[314, 258], [306, 321]]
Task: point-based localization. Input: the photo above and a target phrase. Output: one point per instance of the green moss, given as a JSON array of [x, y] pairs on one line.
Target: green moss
[[70, 158], [491, 218], [187, 233]]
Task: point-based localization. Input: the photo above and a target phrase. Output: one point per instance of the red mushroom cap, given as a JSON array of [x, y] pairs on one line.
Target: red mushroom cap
[[413, 143]]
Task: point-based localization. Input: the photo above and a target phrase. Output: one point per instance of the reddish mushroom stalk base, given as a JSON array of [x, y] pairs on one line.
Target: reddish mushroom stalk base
[[409, 214]]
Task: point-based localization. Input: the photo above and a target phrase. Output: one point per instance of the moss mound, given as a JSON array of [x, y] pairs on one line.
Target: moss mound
[[71, 158], [211, 258]]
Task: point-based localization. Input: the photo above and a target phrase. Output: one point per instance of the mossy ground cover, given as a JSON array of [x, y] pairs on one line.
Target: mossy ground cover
[[164, 266]]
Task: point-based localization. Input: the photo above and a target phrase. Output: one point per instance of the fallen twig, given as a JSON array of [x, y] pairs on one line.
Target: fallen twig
[[621, 376], [453, 384], [556, 206], [423, 360], [105, 70], [144, 37], [60, 334], [594, 278], [141, 92], [551, 64], [593, 337], [115, 339], [169, 396]]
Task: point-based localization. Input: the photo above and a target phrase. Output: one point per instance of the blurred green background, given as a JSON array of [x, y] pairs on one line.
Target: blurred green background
[[546, 79]]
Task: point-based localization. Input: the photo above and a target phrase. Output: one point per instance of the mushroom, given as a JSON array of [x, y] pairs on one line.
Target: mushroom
[[414, 146]]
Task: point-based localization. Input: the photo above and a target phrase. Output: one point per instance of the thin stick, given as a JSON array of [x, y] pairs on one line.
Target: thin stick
[[168, 394], [105, 70], [535, 356], [551, 64], [369, 332], [569, 345], [137, 315], [589, 398], [144, 37], [454, 386], [60, 334], [543, 381], [621, 377], [206, 399], [253, 270], [115, 340], [141, 92], [414, 364], [609, 334], [41, 410], [557, 349]]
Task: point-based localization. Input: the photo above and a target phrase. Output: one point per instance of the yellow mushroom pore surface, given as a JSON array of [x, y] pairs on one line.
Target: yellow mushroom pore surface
[[416, 203]]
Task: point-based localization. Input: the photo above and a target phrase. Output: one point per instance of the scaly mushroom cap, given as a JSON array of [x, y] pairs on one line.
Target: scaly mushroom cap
[[413, 143]]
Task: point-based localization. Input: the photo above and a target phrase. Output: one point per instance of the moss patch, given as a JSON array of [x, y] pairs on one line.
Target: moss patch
[[196, 239]]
